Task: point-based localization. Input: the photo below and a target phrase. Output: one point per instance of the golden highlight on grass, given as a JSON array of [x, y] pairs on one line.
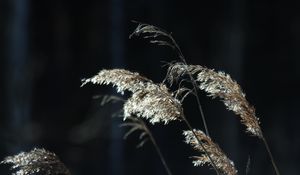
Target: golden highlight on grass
[[36, 161], [222, 163]]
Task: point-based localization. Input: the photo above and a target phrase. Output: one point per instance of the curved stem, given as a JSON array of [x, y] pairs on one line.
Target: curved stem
[[200, 107], [157, 149], [180, 55], [270, 155]]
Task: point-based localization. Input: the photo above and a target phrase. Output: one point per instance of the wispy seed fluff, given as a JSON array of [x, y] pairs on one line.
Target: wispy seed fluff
[[151, 101], [219, 84], [154, 103], [122, 79], [35, 162], [222, 163]]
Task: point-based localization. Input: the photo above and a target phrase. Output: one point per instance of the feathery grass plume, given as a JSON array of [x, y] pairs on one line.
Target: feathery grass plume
[[219, 84], [149, 100], [121, 78], [35, 162], [222, 163], [154, 103], [154, 34]]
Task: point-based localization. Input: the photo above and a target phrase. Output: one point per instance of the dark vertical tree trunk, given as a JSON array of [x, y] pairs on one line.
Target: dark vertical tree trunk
[[18, 74], [117, 61]]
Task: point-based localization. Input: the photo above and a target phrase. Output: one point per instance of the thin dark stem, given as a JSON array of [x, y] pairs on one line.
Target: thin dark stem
[[200, 107], [270, 155], [200, 143], [157, 149], [179, 52]]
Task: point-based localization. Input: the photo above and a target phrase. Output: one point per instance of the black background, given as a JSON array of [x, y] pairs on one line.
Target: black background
[[47, 47]]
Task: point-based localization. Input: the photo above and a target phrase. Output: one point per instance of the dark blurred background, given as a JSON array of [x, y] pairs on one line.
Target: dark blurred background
[[47, 47]]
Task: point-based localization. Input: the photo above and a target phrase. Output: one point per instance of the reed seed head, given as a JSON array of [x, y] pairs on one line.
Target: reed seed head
[[222, 163], [149, 100], [36, 161], [121, 78], [221, 85], [154, 103]]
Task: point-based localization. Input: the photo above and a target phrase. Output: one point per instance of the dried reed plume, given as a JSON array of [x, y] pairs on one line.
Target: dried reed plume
[[219, 84], [36, 161], [220, 160], [154, 103], [149, 100]]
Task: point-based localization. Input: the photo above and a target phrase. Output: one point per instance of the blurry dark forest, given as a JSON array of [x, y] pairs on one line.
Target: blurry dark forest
[[47, 47]]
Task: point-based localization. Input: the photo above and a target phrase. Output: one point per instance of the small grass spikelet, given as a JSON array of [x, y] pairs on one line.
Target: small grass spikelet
[[222, 163]]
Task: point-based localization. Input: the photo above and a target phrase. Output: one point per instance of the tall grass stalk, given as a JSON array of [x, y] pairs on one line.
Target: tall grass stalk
[[155, 32]]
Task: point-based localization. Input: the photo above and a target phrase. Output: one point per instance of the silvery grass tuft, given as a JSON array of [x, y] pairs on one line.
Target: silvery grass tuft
[[37, 161], [221, 85], [149, 100], [154, 103], [120, 78], [224, 164]]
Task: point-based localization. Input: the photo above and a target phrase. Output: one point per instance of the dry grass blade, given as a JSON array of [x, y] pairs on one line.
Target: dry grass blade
[[220, 160], [37, 161], [219, 84]]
